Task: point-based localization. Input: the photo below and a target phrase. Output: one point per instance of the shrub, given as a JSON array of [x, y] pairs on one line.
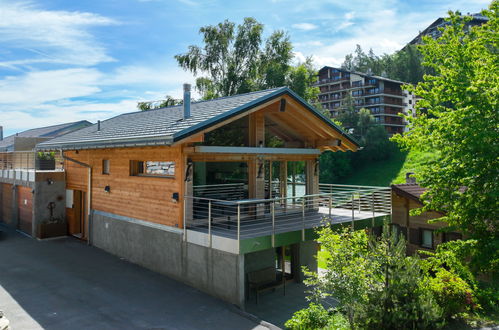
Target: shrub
[[313, 317]]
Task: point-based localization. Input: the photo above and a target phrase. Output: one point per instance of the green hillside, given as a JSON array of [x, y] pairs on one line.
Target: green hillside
[[386, 172]]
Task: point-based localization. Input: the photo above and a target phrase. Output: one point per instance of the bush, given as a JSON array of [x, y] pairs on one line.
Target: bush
[[313, 317], [452, 293]]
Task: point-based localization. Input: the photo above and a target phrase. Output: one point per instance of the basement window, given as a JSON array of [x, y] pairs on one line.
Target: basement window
[[152, 168]]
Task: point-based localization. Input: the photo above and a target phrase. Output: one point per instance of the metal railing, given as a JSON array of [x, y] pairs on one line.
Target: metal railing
[[249, 218], [21, 165]]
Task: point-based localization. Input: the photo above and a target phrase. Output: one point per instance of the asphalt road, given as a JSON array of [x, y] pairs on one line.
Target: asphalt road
[[66, 284]]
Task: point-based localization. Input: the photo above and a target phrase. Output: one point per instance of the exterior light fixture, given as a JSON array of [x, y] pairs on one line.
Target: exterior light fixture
[[107, 189], [175, 197], [50, 181], [316, 167]]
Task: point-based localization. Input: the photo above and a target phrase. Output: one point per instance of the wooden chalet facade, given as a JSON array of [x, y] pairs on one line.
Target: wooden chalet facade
[[202, 192]]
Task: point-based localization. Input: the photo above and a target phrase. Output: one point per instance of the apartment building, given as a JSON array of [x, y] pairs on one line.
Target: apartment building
[[384, 98]]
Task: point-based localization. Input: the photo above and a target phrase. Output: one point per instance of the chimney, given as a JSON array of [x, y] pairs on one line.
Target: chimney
[[98, 125], [1, 133], [187, 101], [409, 178]]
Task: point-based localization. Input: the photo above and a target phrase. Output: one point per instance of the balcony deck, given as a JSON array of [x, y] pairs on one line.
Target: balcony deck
[[246, 225]]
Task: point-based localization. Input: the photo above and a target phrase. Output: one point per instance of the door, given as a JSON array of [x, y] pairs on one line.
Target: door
[[77, 215], [284, 261], [25, 209]]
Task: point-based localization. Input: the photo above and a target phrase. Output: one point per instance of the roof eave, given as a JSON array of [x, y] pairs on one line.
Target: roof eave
[[115, 143]]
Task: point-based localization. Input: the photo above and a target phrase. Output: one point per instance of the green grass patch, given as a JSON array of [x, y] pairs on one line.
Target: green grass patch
[[380, 173], [389, 171]]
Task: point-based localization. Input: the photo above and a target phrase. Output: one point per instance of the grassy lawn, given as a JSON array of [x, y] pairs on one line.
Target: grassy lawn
[[393, 170]]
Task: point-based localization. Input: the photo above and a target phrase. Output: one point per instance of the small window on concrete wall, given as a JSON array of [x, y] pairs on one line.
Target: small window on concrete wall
[[152, 168], [427, 238], [105, 166]]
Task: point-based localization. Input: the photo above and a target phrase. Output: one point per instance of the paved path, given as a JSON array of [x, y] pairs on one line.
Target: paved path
[[65, 284]]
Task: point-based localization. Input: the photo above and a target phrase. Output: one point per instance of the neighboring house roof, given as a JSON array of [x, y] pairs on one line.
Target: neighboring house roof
[[48, 132], [409, 190], [166, 125]]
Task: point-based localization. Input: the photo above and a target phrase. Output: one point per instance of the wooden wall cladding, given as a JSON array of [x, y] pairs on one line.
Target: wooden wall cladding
[[25, 207], [144, 198]]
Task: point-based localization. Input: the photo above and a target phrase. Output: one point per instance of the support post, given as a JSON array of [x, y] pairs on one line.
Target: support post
[[238, 222], [372, 206], [184, 222], [209, 223], [330, 206]]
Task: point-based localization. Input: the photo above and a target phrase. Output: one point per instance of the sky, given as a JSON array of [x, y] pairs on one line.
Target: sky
[[64, 61]]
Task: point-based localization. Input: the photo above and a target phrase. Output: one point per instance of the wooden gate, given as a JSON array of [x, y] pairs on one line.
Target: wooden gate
[[25, 208]]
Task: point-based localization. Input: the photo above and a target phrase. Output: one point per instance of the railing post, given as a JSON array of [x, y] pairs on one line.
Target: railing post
[[303, 219], [372, 206], [209, 223], [238, 223], [330, 206], [185, 224], [273, 223], [353, 214], [359, 200]]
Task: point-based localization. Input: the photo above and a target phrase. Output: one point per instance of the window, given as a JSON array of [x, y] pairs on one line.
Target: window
[[152, 168], [105, 166], [427, 238]]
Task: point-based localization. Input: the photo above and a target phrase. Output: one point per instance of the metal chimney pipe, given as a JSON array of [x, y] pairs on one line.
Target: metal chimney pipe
[[187, 101], [1, 133], [98, 125]]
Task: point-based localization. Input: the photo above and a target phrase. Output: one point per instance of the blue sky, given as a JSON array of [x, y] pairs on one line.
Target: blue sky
[[64, 61]]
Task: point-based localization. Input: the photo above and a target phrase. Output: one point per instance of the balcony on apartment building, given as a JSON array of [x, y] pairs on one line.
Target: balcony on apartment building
[[23, 165], [324, 81], [236, 224], [383, 100], [376, 91]]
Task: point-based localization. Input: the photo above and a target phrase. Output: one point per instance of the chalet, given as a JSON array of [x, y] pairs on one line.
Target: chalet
[[421, 234], [32, 188], [211, 192]]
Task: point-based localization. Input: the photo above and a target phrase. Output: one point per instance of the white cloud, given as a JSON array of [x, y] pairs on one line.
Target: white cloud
[[305, 26], [46, 86], [50, 36]]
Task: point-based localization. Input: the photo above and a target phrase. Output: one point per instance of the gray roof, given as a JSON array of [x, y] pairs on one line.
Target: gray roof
[[365, 75], [166, 125], [43, 132]]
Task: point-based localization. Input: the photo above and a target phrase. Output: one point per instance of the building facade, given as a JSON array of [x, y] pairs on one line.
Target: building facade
[[384, 98], [196, 193], [420, 232]]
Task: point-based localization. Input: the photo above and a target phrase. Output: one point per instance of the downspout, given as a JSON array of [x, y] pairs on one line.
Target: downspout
[[89, 191]]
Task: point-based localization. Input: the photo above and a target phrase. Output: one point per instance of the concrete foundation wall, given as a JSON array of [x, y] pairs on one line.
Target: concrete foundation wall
[[162, 249], [306, 255]]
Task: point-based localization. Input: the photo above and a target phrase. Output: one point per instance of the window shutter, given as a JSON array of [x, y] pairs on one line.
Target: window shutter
[[403, 230], [414, 236]]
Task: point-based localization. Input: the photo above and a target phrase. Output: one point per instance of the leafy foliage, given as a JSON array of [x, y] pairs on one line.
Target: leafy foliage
[[405, 65], [236, 59], [166, 102], [375, 283], [458, 115]]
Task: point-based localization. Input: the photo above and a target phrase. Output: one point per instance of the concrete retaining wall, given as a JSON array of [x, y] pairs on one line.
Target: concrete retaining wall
[[162, 249]]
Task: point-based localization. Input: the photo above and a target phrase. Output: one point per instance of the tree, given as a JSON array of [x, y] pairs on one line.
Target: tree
[[375, 283], [234, 61], [458, 114], [166, 102]]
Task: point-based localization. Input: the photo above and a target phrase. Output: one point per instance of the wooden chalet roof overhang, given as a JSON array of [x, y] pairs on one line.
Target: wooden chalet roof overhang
[[280, 111]]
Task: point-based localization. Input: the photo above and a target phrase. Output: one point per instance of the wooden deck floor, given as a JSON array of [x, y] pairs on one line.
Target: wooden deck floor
[[289, 221]]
